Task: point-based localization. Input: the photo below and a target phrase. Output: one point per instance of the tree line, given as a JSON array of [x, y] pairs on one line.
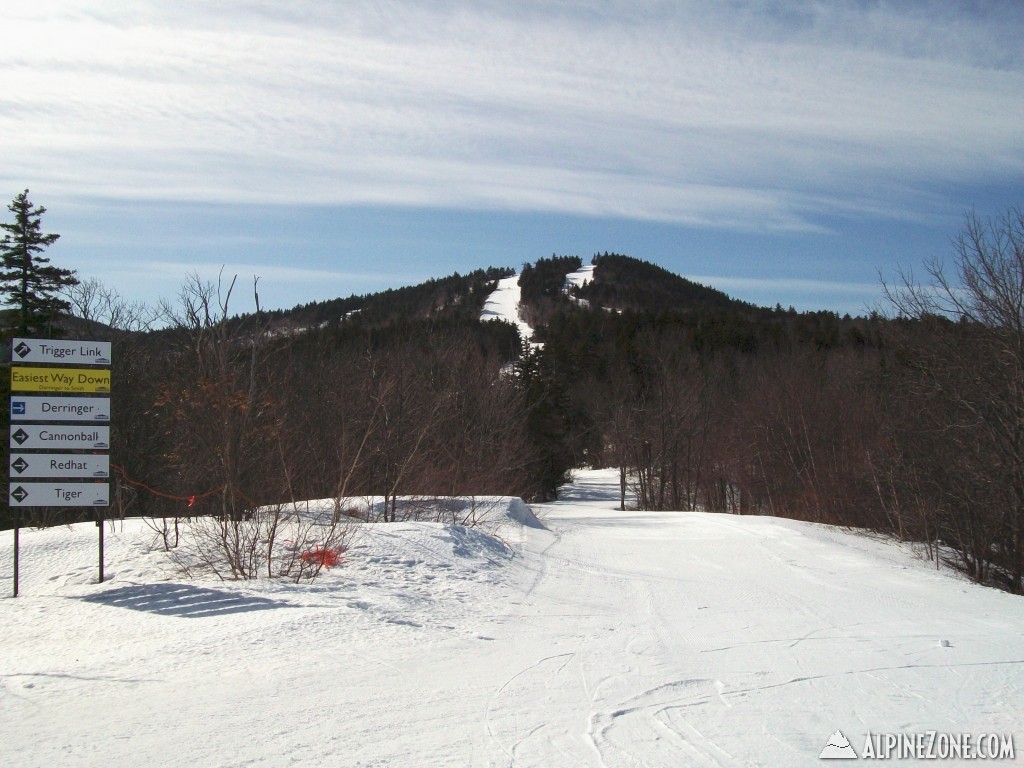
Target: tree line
[[908, 422]]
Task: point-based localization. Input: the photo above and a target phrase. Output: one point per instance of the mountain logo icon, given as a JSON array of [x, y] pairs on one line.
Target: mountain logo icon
[[838, 748]]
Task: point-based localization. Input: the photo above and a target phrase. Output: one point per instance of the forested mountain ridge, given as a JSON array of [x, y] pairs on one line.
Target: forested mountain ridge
[[645, 294], [453, 297], [616, 283], [699, 400], [619, 283], [624, 283]]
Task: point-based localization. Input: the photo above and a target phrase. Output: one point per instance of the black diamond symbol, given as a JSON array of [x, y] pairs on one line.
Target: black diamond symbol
[[22, 349], [19, 493], [20, 464], [20, 436]]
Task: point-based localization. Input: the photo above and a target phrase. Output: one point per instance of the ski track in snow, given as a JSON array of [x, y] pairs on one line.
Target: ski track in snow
[[607, 639], [504, 303], [581, 276]]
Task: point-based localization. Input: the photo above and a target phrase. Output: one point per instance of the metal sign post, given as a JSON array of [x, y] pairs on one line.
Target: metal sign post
[[50, 430], [99, 524], [16, 558]]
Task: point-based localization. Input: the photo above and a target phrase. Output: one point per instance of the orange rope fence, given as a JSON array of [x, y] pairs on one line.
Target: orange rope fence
[[191, 500]]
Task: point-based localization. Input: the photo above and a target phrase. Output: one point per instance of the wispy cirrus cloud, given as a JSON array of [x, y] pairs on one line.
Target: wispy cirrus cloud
[[761, 116]]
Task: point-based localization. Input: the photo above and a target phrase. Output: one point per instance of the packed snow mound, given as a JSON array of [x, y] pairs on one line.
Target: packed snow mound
[[520, 512]]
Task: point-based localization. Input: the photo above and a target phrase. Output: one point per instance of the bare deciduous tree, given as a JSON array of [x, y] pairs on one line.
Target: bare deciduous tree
[[964, 365]]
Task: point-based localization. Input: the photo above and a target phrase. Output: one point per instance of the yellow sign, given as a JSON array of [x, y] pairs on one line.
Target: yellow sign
[[25, 379]]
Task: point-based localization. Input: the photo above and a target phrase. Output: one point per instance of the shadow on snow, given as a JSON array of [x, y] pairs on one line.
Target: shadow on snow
[[182, 600]]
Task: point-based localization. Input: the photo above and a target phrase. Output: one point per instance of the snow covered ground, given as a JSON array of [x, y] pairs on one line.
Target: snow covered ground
[[503, 304], [580, 277], [505, 300], [605, 639]]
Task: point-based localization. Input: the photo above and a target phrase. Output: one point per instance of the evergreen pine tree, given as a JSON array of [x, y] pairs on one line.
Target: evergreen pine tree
[[28, 283]]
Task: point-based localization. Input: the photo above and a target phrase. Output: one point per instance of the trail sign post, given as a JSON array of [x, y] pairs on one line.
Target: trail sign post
[[39, 379], [56, 351], [54, 408], [59, 494], [60, 436], [58, 441], [78, 465]]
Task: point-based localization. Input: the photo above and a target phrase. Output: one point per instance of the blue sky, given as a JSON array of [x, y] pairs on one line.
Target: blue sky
[[785, 152]]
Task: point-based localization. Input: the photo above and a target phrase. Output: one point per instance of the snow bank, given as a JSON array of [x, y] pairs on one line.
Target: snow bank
[[520, 512], [490, 513]]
